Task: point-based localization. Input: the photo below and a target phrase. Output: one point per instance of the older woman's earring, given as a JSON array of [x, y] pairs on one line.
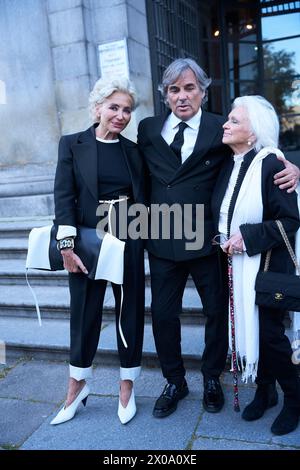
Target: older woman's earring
[[249, 143]]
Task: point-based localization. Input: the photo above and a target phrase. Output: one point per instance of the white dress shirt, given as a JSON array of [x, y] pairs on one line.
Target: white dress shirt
[[228, 195], [190, 133]]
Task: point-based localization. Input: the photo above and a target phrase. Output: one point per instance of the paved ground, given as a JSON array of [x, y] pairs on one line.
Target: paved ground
[[32, 391]]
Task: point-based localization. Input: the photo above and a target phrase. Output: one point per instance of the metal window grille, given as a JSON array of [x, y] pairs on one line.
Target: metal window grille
[[173, 27]]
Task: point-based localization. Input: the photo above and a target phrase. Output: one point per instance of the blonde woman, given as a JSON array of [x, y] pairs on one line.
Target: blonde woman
[[99, 164]]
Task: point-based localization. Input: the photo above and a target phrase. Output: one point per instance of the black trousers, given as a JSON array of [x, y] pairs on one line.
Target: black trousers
[[275, 356], [86, 311], [168, 280]]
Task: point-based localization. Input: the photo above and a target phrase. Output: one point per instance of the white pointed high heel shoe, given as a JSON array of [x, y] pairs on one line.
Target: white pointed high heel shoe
[[65, 414], [127, 413]]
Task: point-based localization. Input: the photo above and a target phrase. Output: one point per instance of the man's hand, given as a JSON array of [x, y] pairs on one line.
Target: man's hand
[[289, 177], [234, 245], [72, 262]]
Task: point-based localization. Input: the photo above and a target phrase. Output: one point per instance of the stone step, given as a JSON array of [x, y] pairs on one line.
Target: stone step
[[34, 205], [13, 248], [24, 337], [27, 191], [17, 301], [13, 252], [12, 272], [26, 174], [15, 186], [19, 227]]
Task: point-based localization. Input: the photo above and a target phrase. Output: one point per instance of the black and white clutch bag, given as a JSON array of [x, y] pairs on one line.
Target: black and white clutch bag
[[101, 253]]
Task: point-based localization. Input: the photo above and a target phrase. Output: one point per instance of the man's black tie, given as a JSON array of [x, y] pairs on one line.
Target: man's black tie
[[177, 143]]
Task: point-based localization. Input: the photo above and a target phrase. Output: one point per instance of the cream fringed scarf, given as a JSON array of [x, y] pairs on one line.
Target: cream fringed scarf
[[248, 209]]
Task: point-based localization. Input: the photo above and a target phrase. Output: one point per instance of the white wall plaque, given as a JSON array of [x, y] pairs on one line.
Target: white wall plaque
[[113, 59]]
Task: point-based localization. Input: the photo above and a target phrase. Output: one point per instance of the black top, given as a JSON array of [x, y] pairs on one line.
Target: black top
[[76, 192], [113, 174]]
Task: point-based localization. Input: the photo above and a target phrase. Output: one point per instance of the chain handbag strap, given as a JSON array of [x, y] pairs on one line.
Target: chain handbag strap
[[288, 245]]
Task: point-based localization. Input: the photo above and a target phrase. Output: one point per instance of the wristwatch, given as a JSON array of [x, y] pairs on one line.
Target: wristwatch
[[65, 243]]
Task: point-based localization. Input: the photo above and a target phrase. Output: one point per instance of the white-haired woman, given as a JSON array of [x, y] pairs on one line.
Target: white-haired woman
[[246, 204], [99, 164]]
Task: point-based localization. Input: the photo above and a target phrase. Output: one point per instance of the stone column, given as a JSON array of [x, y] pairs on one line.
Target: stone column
[[139, 56], [28, 114], [111, 20], [70, 62], [49, 65]]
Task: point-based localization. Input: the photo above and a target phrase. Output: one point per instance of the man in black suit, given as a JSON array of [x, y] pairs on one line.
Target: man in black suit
[[183, 151]]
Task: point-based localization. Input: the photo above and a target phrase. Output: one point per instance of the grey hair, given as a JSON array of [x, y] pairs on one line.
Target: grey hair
[[176, 68], [263, 120], [104, 88]]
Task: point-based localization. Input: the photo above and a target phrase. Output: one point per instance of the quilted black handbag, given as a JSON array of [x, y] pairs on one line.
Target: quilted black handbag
[[279, 290]]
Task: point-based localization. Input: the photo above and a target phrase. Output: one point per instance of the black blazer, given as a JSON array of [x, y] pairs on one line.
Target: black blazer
[[277, 204], [189, 183], [76, 179]]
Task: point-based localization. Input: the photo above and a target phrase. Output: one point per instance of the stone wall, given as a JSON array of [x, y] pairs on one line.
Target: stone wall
[[112, 20], [28, 121], [50, 63]]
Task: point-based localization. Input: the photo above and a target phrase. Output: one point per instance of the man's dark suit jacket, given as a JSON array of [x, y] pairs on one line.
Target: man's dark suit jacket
[[190, 183], [76, 180]]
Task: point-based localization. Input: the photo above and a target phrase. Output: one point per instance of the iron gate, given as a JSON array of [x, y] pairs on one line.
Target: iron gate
[[173, 27]]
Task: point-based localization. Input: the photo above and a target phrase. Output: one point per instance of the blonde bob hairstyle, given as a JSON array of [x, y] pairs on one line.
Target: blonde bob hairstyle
[[104, 88]]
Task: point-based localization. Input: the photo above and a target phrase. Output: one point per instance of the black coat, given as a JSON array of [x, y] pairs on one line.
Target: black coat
[[190, 183], [76, 179], [277, 204]]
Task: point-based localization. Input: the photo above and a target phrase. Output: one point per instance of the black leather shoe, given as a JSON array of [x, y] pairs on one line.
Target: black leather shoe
[[287, 421], [167, 402], [213, 398], [265, 397]]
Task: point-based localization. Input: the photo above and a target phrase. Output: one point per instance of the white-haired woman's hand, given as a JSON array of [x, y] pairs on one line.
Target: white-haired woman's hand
[[72, 262], [234, 245], [289, 177]]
